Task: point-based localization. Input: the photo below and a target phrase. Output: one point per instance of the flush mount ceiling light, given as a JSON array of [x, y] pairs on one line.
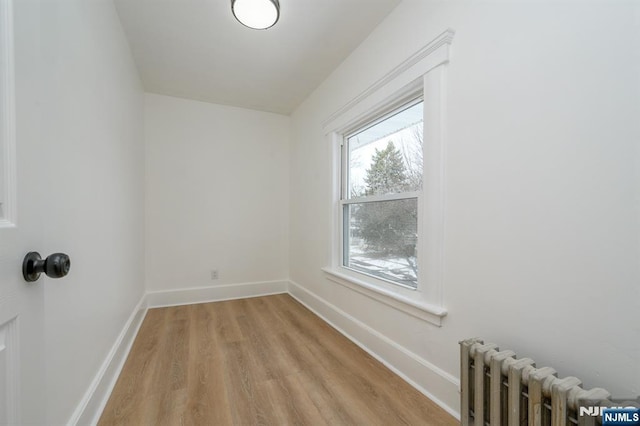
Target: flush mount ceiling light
[[256, 14]]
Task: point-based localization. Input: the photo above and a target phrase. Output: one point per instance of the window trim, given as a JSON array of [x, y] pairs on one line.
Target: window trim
[[422, 310], [424, 72]]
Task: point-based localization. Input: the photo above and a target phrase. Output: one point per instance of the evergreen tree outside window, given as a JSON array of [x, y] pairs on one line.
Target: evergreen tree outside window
[[382, 182]]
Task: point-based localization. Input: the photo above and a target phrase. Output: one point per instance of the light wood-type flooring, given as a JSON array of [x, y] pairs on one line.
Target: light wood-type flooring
[[260, 361]]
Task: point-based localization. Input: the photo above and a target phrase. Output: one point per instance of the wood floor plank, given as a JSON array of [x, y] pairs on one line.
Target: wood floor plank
[[246, 406], [290, 403], [259, 361], [227, 328], [127, 405], [208, 402]]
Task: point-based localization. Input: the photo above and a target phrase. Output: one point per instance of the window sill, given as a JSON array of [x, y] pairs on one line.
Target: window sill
[[4, 223], [421, 310]]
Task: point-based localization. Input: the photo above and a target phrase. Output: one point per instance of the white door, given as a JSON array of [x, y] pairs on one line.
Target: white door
[[22, 375]]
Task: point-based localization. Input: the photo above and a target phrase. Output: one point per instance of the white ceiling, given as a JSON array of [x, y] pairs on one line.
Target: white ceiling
[[196, 49]]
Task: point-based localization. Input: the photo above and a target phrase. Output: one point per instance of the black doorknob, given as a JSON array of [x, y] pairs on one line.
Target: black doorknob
[[55, 266]]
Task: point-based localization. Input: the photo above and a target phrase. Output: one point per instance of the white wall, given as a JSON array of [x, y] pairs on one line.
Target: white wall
[[543, 194], [216, 195], [543, 206], [90, 112]]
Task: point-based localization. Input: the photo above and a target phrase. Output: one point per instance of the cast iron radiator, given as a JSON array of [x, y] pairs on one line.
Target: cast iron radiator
[[497, 388]]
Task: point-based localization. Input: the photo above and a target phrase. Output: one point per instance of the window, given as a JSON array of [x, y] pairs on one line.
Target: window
[[382, 169], [388, 193]]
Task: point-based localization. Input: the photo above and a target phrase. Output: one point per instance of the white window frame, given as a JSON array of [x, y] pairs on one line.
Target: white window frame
[[404, 103], [7, 119], [423, 73]]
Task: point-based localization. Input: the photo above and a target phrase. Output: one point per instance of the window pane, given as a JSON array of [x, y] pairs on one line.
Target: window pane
[[386, 158], [380, 239]]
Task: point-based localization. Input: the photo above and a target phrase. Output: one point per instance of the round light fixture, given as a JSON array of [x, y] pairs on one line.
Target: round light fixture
[[256, 14]]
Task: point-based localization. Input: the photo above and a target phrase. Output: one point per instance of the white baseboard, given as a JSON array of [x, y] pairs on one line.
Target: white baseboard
[[443, 388], [190, 296], [95, 399]]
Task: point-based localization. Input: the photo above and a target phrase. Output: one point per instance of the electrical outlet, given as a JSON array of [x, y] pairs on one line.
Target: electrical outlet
[[214, 274]]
